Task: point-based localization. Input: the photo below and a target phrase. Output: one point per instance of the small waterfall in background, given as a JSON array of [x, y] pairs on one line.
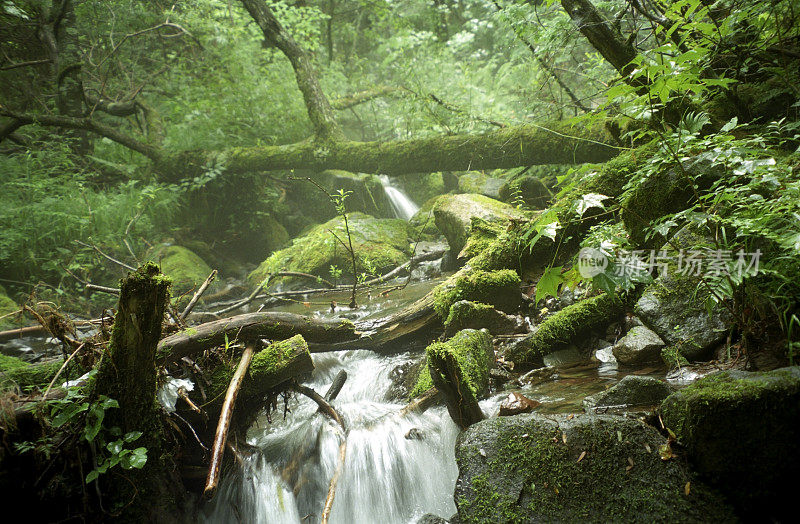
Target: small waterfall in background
[[397, 468], [403, 206]]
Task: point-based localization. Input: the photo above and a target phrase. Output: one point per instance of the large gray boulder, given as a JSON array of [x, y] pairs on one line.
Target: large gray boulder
[[639, 346], [741, 430], [630, 391], [480, 183], [590, 468]]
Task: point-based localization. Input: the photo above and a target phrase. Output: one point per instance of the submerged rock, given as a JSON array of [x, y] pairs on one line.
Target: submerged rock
[[381, 243], [639, 346], [741, 431], [454, 213], [516, 403], [588, 468], [630, 391], [475, 315]]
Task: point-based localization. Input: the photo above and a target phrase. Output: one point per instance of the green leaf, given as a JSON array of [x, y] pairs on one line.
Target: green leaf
[[588, 201], [549, 282]]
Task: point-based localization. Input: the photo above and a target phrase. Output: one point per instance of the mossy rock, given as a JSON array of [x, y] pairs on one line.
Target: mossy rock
[[500, 289], [186, 269], [582, 468], [666, 191], [383, 242], [473, 351], [632, 390], [639, 346], [481, 236], [741, 431], [7, 307], [481, 183], [474, 315], [423, 186], [16, 373], [564, 328], [454, 213], [674, 306]]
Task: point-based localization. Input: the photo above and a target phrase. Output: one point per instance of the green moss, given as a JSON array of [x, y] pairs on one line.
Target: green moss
[[384, 242], [423, 221], [565, 327], [423, 187], [499, 288], [474, 353], [7, 307], [527, 469], [184, 267], [481, 236], [17, 373]]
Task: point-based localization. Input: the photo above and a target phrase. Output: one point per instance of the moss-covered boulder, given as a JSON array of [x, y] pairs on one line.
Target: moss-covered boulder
[[186, 269], [632, 390], [465, 314], [564, 328], [16, 373], [481, 236], [666, 191], [454, 213], [366, 192], [639, 346], [474, 353], [480, 183], [585, 468], [741, 431], [534, 186], [7, 308], [500, 289], [675, 305], [380, 243]]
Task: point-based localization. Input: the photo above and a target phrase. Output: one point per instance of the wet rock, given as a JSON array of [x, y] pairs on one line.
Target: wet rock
[[382, 243], [414, 434], [423, 220], [639, 346], [630, 391], [563, 357], [454, 213], [588, 468], [741, 431], [474, 315], [530, 189], [403, 378], [517, 403]]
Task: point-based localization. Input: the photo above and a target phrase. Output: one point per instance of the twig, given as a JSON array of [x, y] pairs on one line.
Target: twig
[[308, 276], [61, 369], [108, 257], [102, 289], [243, 302], [324, 406], [197, 295], [225, 416], [326, 512]]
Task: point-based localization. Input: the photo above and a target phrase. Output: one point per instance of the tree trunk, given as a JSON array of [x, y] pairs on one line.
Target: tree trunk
[[272, 325]]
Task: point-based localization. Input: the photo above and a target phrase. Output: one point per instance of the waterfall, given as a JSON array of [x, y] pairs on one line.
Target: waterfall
[[403, 206], [397, 468]]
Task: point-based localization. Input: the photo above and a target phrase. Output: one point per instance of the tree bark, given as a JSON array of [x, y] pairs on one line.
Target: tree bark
[[272, 325], [317, 105]]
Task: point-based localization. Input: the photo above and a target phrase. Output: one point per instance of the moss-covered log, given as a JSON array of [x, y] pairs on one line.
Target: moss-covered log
[[450, 379], [551, 143], [272, 325], [16, 373], [565, 327]]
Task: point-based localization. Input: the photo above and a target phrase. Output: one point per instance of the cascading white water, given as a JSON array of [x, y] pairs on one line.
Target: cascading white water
[[403, 206], [397, 468]]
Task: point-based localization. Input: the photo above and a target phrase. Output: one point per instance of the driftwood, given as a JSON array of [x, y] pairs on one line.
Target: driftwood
[[197, 295], [272, 325], [221, 436], [336, 385], [447, 377]]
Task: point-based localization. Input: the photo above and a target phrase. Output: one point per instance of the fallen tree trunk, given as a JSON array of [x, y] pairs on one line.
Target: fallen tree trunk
[[271, 325], [448, 378]]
